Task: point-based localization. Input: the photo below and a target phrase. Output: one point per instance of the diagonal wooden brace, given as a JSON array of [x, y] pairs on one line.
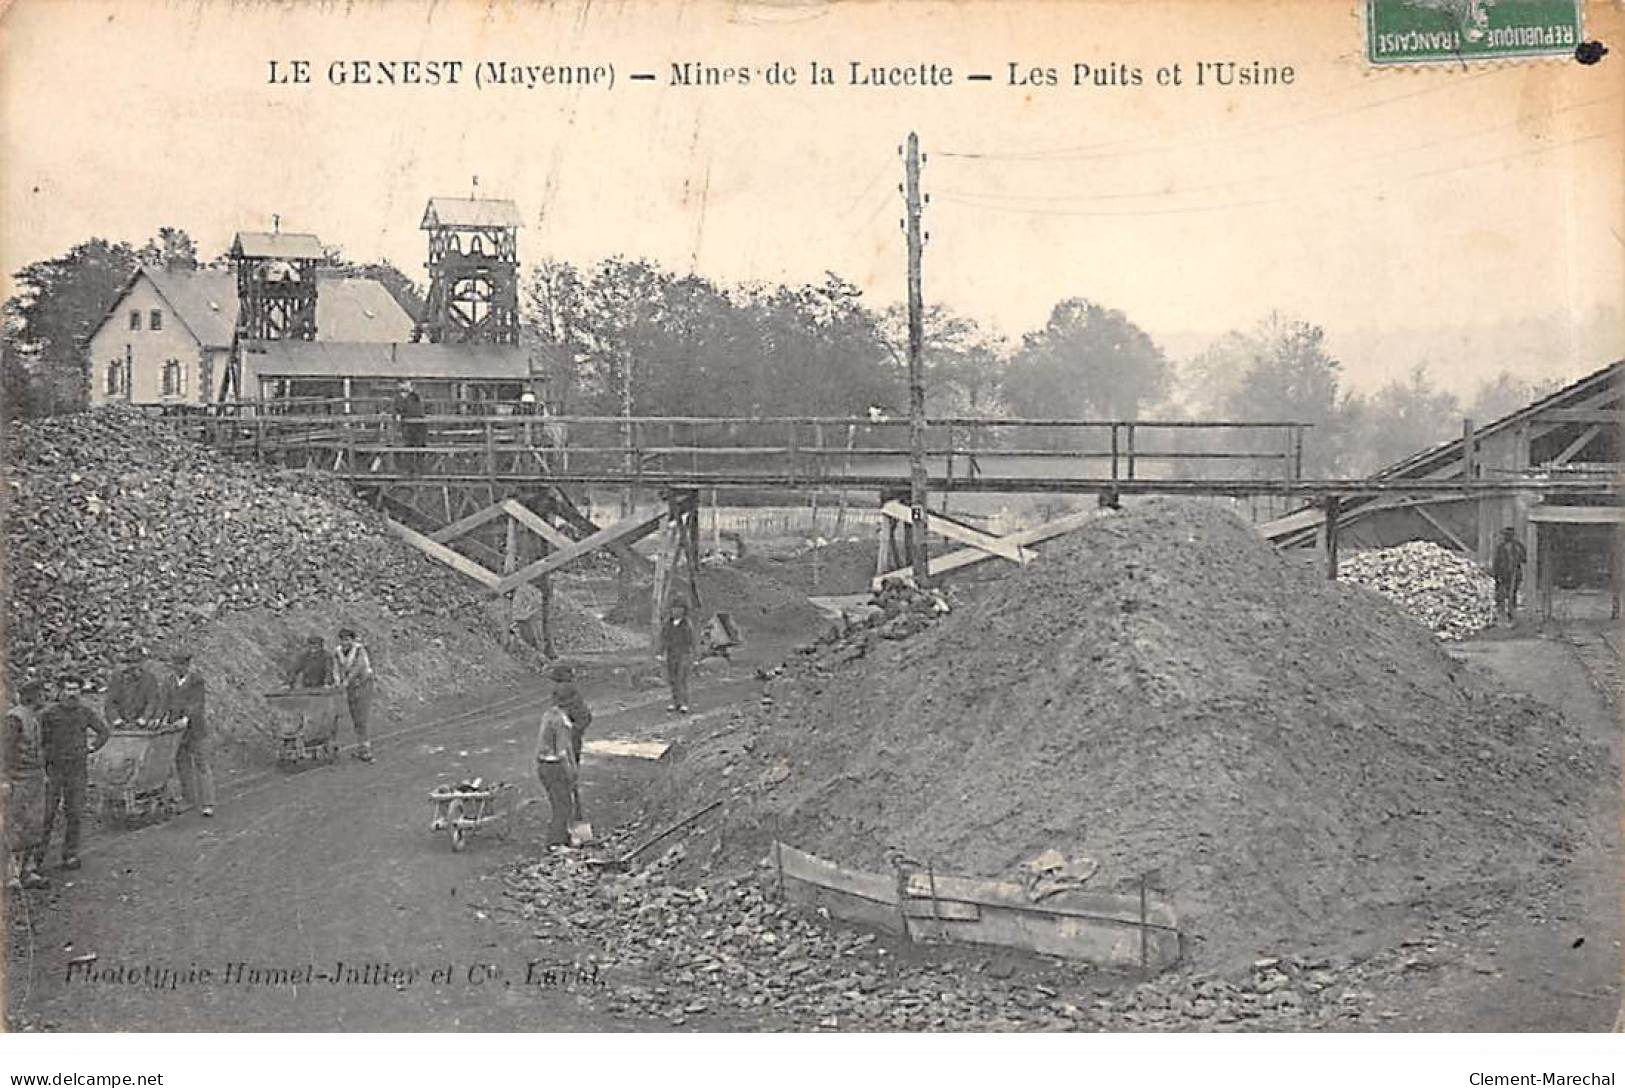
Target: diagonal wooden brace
[[953, 530]]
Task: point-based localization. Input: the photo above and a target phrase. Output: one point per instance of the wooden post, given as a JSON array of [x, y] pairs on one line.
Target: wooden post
[[1114, 451], [1144, 957], [1130, 436], [716, 523], [1328, 535], [918, 553], [510, 550], [1297, 451]]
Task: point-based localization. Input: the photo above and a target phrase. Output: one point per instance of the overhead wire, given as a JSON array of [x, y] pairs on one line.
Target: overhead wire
[[1277, 175], [1004, 206]]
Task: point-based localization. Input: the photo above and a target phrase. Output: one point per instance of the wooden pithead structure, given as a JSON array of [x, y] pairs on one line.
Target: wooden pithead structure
[[498, 497]]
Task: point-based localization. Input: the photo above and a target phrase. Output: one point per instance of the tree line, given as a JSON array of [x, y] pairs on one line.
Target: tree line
[[625, 332]]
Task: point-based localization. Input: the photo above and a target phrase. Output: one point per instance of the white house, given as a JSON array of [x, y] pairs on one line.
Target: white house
[[168, 336]]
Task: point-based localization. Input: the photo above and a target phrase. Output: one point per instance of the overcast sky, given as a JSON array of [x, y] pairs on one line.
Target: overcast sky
[[1472, 217]]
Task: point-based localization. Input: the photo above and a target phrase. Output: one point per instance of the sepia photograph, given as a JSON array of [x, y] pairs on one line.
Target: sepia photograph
[[795, 516]]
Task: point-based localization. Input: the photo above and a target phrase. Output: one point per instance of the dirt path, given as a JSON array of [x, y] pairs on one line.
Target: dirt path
[[1558, 970], [332, 865]]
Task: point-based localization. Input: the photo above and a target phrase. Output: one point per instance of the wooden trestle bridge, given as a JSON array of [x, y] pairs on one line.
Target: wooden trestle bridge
[[497, 497]]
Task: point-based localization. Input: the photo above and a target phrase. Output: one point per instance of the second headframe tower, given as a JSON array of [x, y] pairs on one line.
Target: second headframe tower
[[473, 272]]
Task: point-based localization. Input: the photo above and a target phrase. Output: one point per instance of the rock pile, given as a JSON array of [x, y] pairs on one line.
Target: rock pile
[[730, 949], [1166, 694], [119, 533], [1450, 595]]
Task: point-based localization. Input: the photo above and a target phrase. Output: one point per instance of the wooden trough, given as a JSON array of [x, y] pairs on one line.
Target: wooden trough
[[1138, 930]]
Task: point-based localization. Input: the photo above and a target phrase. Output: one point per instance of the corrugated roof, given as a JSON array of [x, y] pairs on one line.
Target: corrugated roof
[[346, 309], [288, 247], [301, 359], [445, 211]]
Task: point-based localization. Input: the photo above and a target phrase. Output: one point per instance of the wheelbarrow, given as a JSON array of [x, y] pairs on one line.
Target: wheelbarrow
[[131, 772], [467, 808], [308, 724]]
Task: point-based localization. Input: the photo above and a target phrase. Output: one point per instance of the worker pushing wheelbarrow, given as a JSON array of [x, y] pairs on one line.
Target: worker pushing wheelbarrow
[[309, 712], [132, 771], [307, 724]]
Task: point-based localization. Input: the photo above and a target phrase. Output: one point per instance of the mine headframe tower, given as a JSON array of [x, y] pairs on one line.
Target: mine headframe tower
[[276, 285], [473, 272]]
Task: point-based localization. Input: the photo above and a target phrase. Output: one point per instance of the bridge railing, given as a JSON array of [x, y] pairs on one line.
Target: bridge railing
[[795, 448]]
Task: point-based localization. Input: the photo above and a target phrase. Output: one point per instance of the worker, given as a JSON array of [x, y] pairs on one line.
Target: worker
[[25, 788], [528, 609], [65, 730], [352, 669], [574, 705], [313, 668], [184, 700], [556, 766], [677, 643], [409, 413], [1507, 567], [134, 696]]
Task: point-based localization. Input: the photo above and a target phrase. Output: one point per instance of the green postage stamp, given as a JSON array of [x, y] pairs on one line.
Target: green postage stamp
[[1412, 31]]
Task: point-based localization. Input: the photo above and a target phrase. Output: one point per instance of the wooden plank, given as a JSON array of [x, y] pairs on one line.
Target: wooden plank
[[966, 557], [953, 530], [527, 517], [1578, 444], [948, 910], [1098, 906], [624, 531], [1427, 516], [473, 521], [435, 550], [1614, 416], [1051, 935], [802, 866], [1577, 515]]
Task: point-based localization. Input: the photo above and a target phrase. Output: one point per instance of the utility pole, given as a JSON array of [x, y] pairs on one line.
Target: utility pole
[[919, 557]]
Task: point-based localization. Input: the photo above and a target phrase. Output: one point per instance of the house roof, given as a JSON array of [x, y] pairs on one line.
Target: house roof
[[304, 359], [446, 211], [288, 247], [206, 303]]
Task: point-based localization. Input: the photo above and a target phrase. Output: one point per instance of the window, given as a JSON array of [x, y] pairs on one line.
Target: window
[[113, 370], [205, 379], [155, 320], [135, 320], [172, 378]]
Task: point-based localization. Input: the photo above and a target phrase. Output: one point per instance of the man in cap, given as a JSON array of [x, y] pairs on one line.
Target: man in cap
[[352, 668], [134, 697], [25, 788], [409, 413], [313, 668], [185, 700], [66, 730], [557, 768], [529, 612], [569, 699], [1507, 567], [677, 643]]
